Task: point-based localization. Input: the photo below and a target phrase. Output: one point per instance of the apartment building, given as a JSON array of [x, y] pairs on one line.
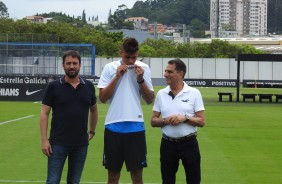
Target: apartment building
[[238, 18]]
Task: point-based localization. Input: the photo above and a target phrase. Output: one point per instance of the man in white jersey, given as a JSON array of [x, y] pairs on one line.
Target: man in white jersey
[[122, 84], [182, 110]]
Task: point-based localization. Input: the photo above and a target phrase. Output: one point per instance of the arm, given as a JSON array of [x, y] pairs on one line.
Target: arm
[[156, 121], [44, 115], [197, 120], [146, 93], [107, 92], [93, 119]]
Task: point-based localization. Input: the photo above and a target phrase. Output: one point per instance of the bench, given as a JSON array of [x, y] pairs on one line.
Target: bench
[[249, 96], [278, 96], [265, 96], [220, 94]]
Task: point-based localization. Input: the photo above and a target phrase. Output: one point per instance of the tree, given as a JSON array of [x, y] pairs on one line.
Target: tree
[[110, 14], [184, 50], [146, 51], [223, 49], [63, 18], [107, 44], [128, 25], [83, 16], [115, 22], [140, 9], [197, 28], [163, 48], [3, 10]]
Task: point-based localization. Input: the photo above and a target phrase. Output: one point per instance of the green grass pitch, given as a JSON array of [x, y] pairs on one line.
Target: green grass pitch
[[240, 144]]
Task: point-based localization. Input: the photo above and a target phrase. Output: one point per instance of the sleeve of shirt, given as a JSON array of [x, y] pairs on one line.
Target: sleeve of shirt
[[157, 106], [199, 104], [48, 93], [105, 77], [147, 77]]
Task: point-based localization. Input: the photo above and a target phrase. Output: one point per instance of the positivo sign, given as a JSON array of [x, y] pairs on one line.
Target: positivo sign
[[211, 82]]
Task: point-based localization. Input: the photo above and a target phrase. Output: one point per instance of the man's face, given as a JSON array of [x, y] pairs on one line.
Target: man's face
[[171, 75], [128, 58], [71, 66]]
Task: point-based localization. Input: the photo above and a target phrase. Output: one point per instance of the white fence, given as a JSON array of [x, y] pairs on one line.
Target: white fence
[[197, 68], [210, 68]]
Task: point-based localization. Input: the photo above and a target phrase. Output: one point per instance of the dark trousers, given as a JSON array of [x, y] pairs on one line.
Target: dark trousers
[[188, 152]]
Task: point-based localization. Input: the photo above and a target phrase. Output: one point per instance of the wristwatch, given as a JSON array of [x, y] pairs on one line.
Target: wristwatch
[[141, 81], [187, 118]]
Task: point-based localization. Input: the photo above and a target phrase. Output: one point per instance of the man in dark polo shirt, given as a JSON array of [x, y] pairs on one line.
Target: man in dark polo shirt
[[71, 99]]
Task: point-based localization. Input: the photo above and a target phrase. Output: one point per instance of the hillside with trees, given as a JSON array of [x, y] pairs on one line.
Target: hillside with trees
[[66, 29], [195, 14], [108, 44]]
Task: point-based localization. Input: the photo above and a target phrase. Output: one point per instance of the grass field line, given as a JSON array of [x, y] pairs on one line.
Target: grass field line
[[30, 181], [2, 123]]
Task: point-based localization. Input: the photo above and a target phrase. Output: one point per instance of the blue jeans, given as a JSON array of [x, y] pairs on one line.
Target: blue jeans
[[76, 159]]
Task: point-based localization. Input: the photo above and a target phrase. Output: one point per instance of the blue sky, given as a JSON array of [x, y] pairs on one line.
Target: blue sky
[[22, 8]]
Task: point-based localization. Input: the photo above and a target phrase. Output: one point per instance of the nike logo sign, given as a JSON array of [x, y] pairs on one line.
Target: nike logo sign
[[31, 92]]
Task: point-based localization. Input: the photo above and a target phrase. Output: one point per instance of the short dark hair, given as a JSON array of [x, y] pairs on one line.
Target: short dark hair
[[179, 65], [72, 53], [130, 45]]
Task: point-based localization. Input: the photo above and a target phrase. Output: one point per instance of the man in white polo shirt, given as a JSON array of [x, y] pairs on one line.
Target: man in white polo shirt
[[122, 84], [182, 110]]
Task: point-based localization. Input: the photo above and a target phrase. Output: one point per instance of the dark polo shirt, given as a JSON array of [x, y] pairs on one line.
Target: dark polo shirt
[[70, 109]]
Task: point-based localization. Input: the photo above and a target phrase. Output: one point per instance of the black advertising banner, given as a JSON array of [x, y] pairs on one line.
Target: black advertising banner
[[27, 88], [22, 92], [262, 83], [211, 82]]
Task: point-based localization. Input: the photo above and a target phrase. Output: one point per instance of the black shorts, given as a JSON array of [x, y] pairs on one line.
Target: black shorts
[[124, 147]]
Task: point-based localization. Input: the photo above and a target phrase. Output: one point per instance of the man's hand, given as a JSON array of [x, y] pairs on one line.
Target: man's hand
[[120, 71], [90, 135], [139, 72], [46, 148], [175, 119]]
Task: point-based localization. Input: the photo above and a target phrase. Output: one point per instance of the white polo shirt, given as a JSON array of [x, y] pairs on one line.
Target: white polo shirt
[[186, 102], [125, 104]]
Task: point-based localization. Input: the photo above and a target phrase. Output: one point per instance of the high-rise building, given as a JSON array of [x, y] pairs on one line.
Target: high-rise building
[[238, 18]]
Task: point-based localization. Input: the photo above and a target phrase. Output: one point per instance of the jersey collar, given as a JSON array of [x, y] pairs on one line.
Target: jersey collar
[[62, 80], [185, 89]]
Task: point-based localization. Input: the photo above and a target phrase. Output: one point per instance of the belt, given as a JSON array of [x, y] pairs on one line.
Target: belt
[[181, 139]]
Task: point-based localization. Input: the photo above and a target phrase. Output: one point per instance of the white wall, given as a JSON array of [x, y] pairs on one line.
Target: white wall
[[211, 68], [197, 68]]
